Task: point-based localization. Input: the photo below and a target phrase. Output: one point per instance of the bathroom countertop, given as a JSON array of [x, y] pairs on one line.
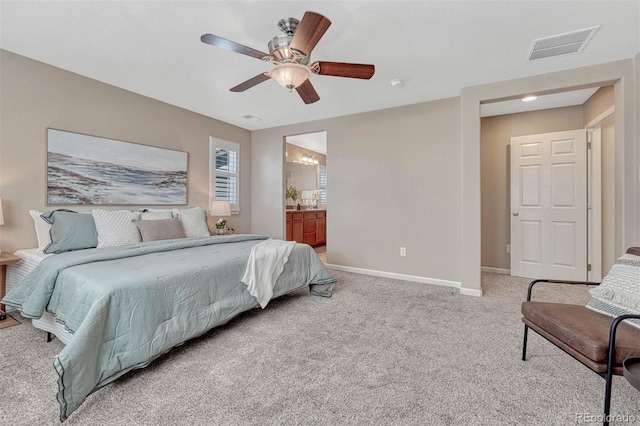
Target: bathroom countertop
[[306, 210]]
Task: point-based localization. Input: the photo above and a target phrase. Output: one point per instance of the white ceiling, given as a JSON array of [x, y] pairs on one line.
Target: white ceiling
[[553, 100], [436, 47], [316, 141]]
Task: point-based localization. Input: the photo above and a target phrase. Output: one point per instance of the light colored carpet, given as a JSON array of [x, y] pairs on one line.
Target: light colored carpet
[[322, 253], [379, 352]]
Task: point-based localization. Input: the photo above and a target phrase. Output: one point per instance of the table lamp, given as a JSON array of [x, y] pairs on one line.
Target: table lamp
[[221, 209]]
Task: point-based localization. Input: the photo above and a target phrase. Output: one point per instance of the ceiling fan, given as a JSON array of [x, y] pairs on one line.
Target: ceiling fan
[[290, 56]]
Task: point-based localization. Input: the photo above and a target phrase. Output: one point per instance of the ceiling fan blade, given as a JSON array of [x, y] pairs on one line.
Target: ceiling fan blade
[[250, 83], [232, 46], [342, 69], [309, 32], [307, 92]]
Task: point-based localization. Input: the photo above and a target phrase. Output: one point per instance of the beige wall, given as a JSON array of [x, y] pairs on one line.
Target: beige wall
[[434, 210], [35, 96], [496, 133], [267, 172], [598, 103], [393, 181], [294, 153], [396, 176]]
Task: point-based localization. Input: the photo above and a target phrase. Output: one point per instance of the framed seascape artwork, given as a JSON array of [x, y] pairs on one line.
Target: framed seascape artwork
[[84, 169]]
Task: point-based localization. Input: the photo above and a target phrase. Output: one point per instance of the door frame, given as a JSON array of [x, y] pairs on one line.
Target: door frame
[[594, 205], [621, 75], [594, 184], [594, 194]]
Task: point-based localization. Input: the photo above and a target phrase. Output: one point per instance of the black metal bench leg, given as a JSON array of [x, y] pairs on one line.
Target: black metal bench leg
[[524, 343], [49, 337], [607, 398], [610, 361]]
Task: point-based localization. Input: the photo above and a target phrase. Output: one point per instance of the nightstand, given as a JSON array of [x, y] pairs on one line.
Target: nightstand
[[6, 259]]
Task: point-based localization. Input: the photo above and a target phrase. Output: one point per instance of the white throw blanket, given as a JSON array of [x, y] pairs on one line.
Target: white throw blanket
[[266, 263]]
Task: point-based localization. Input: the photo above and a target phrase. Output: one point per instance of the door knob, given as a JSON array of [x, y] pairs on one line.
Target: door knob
[[516, 214]]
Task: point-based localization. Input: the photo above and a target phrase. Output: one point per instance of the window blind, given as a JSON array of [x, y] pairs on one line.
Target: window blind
[[322, 186], [224, 172]]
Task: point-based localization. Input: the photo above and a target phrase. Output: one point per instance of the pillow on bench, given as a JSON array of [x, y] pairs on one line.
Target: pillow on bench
[[619, 292]]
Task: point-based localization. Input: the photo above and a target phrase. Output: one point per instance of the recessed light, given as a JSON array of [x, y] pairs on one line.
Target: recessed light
[[252, 117], [396, 82], [529, 98]]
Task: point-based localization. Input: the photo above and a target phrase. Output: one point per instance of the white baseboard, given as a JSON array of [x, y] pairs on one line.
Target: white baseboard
[[496, 270], [470, 292], [413, 278]]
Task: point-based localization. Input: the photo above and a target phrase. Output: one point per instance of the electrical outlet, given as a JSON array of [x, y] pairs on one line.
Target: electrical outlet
[[508, 248], [403, 251]]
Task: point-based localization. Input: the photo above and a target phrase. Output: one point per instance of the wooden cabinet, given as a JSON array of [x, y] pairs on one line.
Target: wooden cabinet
[[321, 228], [296, 225], [307, 227], [289, 228]]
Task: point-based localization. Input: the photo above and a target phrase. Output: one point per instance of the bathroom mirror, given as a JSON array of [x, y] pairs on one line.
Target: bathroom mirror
[[304, 169]]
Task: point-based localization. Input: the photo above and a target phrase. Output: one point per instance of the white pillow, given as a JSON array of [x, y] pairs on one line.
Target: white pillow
[[116, 227], [42, 229], [194, 221], [156, 214], [619, 292]]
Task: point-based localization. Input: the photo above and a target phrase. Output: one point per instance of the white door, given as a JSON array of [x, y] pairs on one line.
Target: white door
[[549, 205]]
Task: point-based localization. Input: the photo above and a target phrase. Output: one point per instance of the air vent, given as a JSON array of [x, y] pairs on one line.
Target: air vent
[[561, 44]]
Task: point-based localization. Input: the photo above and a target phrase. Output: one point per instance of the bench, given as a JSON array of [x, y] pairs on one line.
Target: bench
[[599, 341]]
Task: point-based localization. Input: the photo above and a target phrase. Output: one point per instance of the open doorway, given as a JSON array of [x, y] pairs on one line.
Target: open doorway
[[306, 190], [569, 110], [621, 75]]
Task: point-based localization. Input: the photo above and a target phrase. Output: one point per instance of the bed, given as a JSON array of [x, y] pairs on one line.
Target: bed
[[119, 308], [30, 258]]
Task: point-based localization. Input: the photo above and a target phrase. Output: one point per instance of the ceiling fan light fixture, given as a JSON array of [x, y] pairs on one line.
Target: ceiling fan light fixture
[[289, 75], [290, 55], [279, 48]]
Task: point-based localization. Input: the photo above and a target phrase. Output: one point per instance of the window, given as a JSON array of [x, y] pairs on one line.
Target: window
[[322, 186], [224, 172]]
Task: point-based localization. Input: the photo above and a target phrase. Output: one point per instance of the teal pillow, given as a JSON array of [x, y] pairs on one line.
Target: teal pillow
[[70, 231]]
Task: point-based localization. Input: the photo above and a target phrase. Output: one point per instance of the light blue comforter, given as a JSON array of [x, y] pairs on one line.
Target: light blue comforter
[[128, 305]]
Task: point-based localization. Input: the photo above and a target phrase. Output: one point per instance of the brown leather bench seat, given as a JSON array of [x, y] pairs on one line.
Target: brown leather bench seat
[[599, 341], [582, 333]]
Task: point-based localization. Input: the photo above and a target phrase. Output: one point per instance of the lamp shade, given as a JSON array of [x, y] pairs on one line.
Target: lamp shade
[[1, 214], [289, 75], [220, 208]]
